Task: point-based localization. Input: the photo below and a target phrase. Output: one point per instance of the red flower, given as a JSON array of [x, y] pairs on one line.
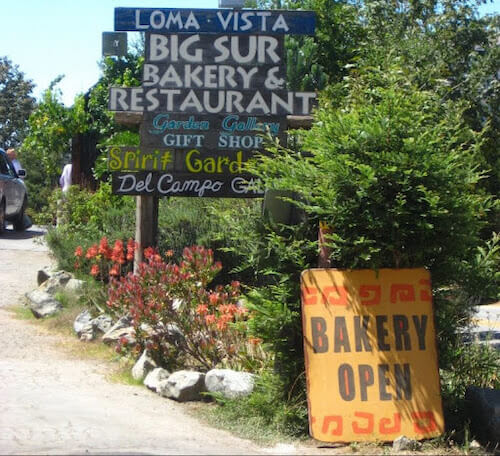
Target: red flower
[[103, 247], [202, 309], [255, 340], [169, 253], [149, 252], [213, 297], [221, 324], [114, 271], [229, 309], [118, 249], [78, 251], [209, 319], [131, 247], [94, 270], [123, 340], [92, 252], [117, 254]]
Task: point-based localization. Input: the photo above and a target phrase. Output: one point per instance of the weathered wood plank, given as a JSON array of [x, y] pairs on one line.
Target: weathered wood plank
[[176, 20]]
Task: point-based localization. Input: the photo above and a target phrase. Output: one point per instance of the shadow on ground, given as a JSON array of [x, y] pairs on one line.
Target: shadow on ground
[[30, 233]]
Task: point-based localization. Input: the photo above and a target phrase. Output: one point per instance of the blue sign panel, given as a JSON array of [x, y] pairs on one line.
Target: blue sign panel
[[174, 20]]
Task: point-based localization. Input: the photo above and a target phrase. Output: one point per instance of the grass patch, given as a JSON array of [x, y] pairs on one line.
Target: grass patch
[[123, 373], [254, 428], [21, 312], [264, 417]]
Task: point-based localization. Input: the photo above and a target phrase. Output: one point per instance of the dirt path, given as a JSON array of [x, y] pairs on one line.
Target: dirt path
[[50, 404]]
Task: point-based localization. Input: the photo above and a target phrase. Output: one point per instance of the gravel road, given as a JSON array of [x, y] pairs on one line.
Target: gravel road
[[51, 404]]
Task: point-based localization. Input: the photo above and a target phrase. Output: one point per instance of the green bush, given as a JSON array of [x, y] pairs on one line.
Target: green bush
[[215, 223], [392, 170], [85, 216]]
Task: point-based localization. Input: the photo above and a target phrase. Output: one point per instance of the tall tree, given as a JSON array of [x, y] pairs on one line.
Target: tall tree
[[48, 142], [449, 49], [16, 103]]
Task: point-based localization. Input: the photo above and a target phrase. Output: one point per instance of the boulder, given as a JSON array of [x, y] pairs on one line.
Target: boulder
[[122, 329], [154, 378], [88, 335], [42, 304], [56, 282], [403, 443], [87, 327], [143, 366], [84, 327], [183, 386], [44, 275], [81, 321], [102, 323], [483, 405], [231, 384]]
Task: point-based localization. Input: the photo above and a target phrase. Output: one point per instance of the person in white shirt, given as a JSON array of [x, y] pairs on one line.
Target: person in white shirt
[[11, 153], [65, 179]]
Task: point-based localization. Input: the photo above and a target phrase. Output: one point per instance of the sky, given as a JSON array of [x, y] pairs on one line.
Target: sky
[[48, 38]]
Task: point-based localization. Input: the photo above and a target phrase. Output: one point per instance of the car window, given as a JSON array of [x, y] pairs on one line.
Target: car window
[[3, 165], [6, 167]]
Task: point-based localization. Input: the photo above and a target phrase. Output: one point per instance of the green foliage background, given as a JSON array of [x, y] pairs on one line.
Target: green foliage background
[[16, 103]]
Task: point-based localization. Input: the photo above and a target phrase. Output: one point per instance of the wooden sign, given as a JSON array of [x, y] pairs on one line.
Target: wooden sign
[[214, 83], [231, 132], [189, 101], [114, 43], [174, 20], [370, 351], [226, 49], [221, 77], [195, 161], [184, 184]]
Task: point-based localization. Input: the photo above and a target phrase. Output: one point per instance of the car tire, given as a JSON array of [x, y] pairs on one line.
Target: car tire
[[2, 216], [18, 222]]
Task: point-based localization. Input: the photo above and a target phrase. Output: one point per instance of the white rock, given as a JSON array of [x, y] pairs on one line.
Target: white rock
[[231, 384], [82, 322], [154, 377], [183, 386], [403, 443], [102, 323], [121, 329], [56, 282], [44, 274], [143, 366], [42, 304]]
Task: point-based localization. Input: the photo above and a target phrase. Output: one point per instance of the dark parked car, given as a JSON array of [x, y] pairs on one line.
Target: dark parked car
[[13, 194]]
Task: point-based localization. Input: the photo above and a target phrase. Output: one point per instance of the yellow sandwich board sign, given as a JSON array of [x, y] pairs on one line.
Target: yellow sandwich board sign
[[370, 351]]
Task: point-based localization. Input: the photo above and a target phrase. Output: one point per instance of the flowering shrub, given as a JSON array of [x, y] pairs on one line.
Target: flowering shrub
[[179, 319], [104, 262]]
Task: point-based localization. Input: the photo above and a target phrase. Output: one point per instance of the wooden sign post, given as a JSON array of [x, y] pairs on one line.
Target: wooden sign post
[[214, 83], [146, 225]]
